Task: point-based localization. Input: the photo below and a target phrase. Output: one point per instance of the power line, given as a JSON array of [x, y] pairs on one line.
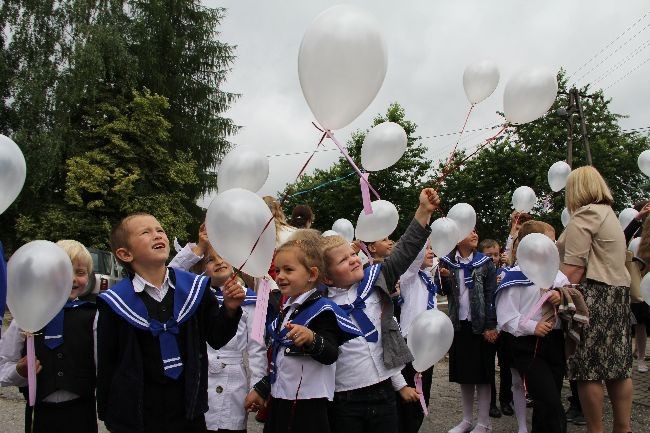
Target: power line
[[616, 67], [608, 45], [628, 74]]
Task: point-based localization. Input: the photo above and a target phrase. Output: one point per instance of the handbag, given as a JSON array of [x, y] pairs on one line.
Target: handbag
[[634, 266]]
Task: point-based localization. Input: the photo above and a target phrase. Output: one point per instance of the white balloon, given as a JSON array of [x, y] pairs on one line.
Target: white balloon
[[529, 94], [327, 233], [645, 288], [344, 228], [565, 217], [341, 64], [235, 220], [558, 175], [383, 146], [429, 338], [524, 199], [464, 216], [644, 162], [626, 216], [12, 172], [634, 245], [379, 224], [39, 282], [480, 79], [444, 236], [243, 167], [538, 259]]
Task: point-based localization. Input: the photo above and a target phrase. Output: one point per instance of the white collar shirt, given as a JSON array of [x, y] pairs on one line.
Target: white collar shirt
[[157, 293], [361, 363], [301, 377], [464, 310], [414, 293]]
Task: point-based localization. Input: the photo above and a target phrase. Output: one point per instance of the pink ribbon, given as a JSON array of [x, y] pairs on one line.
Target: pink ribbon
[[261, 307], [537, 306], [418, 388], [364, 248], [365, 193], [31, 369]]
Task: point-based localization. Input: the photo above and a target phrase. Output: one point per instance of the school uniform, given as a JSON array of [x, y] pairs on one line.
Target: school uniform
[[539, 360], [470, 292], [65, 387], [418, 292], [152, 364], [368, 371], [301, 380]]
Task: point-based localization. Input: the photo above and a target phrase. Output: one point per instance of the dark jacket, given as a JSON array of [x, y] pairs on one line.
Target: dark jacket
[[121, 376], [481, 296]]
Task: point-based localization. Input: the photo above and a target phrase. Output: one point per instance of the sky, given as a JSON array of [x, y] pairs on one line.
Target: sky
[[429, 44]]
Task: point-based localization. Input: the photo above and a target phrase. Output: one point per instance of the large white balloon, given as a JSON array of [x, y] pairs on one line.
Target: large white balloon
[[538, 259], [480, 79], [429, 338], [383, 146], [529, 94], [524, 199], [235, 220], [644, 162], [344, 228], [634, 245], [558, 175], [379, 224], [12, 172], [626, 216], [444, 236], [565, 217], [464, 216], [243, 167], [342, 64], [645, 288], [39, 282]]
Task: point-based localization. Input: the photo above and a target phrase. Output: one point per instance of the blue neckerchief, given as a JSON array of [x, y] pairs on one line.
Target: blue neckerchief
[[431, 288], [250, 299], [53, 333], [370, 275], [303, 318], [513, 278], [127, 304], [3, 281], [477, 260]]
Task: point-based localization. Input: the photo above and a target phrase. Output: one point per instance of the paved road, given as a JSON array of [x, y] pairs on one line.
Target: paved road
[[445, 409]]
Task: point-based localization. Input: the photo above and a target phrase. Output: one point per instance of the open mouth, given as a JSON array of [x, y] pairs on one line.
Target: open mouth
[[220, 268], [159, 246]]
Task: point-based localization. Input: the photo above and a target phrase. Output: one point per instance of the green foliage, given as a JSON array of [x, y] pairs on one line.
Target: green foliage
[[399, 184]]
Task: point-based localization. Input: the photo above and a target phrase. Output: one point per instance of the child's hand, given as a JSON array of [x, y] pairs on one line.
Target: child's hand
[[233, 294], [254, 402], [21, 366], [301, 335], [490, 335], [409, 394], [356, 246], [554, 298], [203, 244], [543, 328], [444, 272], [429, 202]]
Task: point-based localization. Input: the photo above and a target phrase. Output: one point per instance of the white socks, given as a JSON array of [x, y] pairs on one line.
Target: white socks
[[519, 400], [467, 396], [483, 391]]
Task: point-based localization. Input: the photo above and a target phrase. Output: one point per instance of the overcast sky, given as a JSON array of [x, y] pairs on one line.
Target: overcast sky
[[429, 45]]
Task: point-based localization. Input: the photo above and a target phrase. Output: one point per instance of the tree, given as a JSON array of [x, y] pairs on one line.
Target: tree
[[399, 184], [525, 154]]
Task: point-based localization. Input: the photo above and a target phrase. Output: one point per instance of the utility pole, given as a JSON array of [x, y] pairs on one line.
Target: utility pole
[[575, 107]]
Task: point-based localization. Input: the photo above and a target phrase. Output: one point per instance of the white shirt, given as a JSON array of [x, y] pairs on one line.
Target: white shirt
[[157, 293], [315, 380], [360, 362], [414, 292], [464, 309], [514, 303]]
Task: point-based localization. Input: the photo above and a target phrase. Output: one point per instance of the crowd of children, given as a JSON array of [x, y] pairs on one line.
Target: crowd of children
[[171, 348]]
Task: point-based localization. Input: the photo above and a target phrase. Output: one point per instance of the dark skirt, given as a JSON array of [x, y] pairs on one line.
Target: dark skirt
[[605, 350], [470, 359], [298, 416]]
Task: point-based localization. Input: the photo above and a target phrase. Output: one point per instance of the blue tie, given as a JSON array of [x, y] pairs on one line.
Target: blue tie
[[431, 288], [356, 310], [166, 333], [53, 333]]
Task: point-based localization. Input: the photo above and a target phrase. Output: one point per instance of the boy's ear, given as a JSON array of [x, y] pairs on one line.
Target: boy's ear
[[124, 255], [313, 274], [327, 280]]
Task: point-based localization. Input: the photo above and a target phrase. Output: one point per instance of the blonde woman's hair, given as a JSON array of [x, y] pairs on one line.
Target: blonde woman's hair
[[644, 247], [76, 251], [531, 226], [278, 215], [586, 186]]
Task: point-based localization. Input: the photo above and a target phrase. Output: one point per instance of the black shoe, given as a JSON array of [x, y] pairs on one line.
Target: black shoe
[[506, 409], [494, 411]]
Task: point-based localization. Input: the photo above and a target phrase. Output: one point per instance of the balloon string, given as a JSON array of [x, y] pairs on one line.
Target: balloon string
[[464, 160], [453, 151]]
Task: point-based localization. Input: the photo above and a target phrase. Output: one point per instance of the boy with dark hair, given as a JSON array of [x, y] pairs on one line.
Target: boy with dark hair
[[151, 336]]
